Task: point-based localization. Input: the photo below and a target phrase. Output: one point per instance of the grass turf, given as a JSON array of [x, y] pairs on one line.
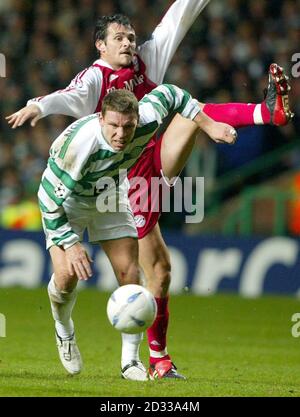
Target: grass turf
[[225, 345]]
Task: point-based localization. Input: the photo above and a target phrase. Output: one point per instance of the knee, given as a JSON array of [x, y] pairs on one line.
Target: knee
[[129, 274]]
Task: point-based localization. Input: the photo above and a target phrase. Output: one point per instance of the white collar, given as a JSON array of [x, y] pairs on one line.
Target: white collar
[[103, 63]]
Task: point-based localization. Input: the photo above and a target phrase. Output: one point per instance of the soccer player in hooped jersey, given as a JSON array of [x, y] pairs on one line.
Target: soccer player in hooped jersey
[[122, 65], [88, 155]]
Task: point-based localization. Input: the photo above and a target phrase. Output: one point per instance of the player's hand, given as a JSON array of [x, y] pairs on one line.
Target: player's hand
[[28, 112], [223, 133], [78, 261]]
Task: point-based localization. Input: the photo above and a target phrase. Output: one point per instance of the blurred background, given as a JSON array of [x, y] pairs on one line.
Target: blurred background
[[252, 189]]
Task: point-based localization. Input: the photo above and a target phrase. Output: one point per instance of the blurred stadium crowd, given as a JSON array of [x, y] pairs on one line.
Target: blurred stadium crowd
[[224, 57]]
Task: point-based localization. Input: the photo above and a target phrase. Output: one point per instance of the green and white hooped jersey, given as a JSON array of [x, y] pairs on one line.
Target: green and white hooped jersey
[[80, 157]]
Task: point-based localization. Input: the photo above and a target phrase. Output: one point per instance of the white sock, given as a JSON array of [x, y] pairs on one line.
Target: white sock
[[257, 115], [62, 304], [130, 348]]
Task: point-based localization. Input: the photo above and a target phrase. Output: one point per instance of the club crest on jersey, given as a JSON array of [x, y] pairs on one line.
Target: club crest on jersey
[[112, 77], [140, 220]]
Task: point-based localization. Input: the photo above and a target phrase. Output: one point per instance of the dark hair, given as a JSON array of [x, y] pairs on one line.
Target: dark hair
[[103, 22], [121, 101]]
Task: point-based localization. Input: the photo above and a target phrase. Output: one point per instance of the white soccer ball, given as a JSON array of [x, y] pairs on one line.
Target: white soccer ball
[[131, 309]]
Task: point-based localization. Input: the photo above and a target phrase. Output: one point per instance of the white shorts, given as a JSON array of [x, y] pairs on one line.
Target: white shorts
[[83, 214]]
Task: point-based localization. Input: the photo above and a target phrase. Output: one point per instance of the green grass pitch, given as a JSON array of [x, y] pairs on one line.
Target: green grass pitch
[[224, 344]]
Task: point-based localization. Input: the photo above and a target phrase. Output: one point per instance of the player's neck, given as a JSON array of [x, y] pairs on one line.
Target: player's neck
[[105, 63]]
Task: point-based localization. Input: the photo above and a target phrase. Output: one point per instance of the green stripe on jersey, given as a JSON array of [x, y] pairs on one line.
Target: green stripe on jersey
[[94, 176], [62, 175], [58, 240], [162, 98], [48, 187], [99, 155], [56, 223], [43, 207], [185, 99], [73, 132], [157, 106]]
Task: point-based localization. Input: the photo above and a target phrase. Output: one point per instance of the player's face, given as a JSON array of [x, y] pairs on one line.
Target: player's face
[[119, 46], [118, 129]]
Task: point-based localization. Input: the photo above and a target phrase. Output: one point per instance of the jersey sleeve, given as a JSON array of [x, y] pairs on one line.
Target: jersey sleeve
[[164, 100], [79, 99], [68, 156], [158, 52]]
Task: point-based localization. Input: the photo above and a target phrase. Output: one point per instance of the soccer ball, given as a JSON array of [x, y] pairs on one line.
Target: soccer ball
[[131, 309]]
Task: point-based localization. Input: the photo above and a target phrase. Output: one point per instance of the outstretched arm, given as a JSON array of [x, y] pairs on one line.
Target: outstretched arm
[[159, 50], [168, 99], [32, 111], [79, 99]]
